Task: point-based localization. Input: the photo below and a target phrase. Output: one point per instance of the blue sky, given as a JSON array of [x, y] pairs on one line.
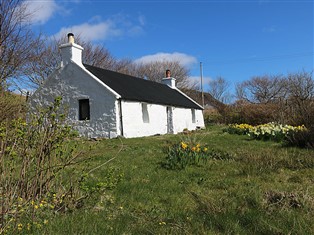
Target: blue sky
[[232, 39]]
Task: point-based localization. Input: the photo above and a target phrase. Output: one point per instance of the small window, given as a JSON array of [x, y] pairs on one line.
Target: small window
[[84, 110], [193, 115], [145, 115]]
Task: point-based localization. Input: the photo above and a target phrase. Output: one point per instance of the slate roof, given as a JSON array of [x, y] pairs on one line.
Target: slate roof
[[137, 89]]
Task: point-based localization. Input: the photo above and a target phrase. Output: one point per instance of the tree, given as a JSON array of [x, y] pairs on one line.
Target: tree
[[155, 71], [47, 58], [301, 97], [262, 89], [17, 41], [218, 88]]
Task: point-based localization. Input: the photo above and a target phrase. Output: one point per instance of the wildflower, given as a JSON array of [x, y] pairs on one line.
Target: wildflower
[[36, 207], [45, 221], [20, 227], [184, 145], [205, 149], [162, 223], [193, 149]]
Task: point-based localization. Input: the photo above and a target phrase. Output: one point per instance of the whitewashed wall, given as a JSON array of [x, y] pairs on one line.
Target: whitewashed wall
[[73, 83], [182, 119], [134, 126]]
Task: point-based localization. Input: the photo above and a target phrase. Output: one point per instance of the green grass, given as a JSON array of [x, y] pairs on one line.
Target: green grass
[[263, 189]]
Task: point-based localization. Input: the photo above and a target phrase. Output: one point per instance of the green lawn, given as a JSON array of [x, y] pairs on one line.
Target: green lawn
[[263, 188]]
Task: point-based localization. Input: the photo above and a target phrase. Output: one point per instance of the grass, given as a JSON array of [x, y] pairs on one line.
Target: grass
[[264, 189]]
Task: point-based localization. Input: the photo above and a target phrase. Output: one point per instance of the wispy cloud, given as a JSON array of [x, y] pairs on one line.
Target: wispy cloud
[[91, 31], [183, 59], [97, 29], [270, 29], [41, 11]]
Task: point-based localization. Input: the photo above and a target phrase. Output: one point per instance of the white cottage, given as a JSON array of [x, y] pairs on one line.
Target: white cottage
[[103, 103]]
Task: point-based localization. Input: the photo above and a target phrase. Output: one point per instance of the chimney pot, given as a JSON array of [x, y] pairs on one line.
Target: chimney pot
[[70, 38]]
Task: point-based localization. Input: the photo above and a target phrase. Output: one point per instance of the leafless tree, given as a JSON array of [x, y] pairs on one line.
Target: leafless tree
[[17, 41], [301, 97], [263, 89], [48, 56], [218, 88], [155, 71]]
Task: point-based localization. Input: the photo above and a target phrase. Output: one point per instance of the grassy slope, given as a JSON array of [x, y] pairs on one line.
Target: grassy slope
[[264, 189]]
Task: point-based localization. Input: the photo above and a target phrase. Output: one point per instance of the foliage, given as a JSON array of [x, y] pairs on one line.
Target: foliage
[[303, 139], [183, 154], [33, 156], [180, 155], [11, 106]]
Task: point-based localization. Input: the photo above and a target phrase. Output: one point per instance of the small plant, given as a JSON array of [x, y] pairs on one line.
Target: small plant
[[182, 154]]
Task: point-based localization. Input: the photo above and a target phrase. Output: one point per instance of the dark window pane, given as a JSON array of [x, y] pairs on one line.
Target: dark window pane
[[84, 112]]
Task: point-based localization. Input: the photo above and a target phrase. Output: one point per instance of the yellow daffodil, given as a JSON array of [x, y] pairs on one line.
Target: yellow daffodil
[[184, 145]]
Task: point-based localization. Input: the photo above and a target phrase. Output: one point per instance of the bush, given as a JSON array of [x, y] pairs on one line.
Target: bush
[[33, 157], [11, 106], [302, 139]]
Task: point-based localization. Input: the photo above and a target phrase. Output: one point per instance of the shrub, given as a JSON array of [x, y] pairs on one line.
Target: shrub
[[33, 157], [303, 139], [11, 106]]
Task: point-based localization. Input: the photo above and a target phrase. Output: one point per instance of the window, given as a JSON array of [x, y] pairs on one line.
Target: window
[[193, 115], [84, 111], [145, 115]]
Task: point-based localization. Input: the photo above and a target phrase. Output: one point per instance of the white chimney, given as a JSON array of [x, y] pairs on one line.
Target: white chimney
[[168, 80], [71, 51]]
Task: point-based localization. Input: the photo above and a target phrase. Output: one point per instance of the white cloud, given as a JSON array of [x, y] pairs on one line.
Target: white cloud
[[41, 11], [183, 59], [97, 29], [91, 31]]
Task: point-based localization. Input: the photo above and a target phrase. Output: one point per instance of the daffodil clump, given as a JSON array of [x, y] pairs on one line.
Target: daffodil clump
[[274, 131], [269, 131], [240, 129], [183, 154]]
